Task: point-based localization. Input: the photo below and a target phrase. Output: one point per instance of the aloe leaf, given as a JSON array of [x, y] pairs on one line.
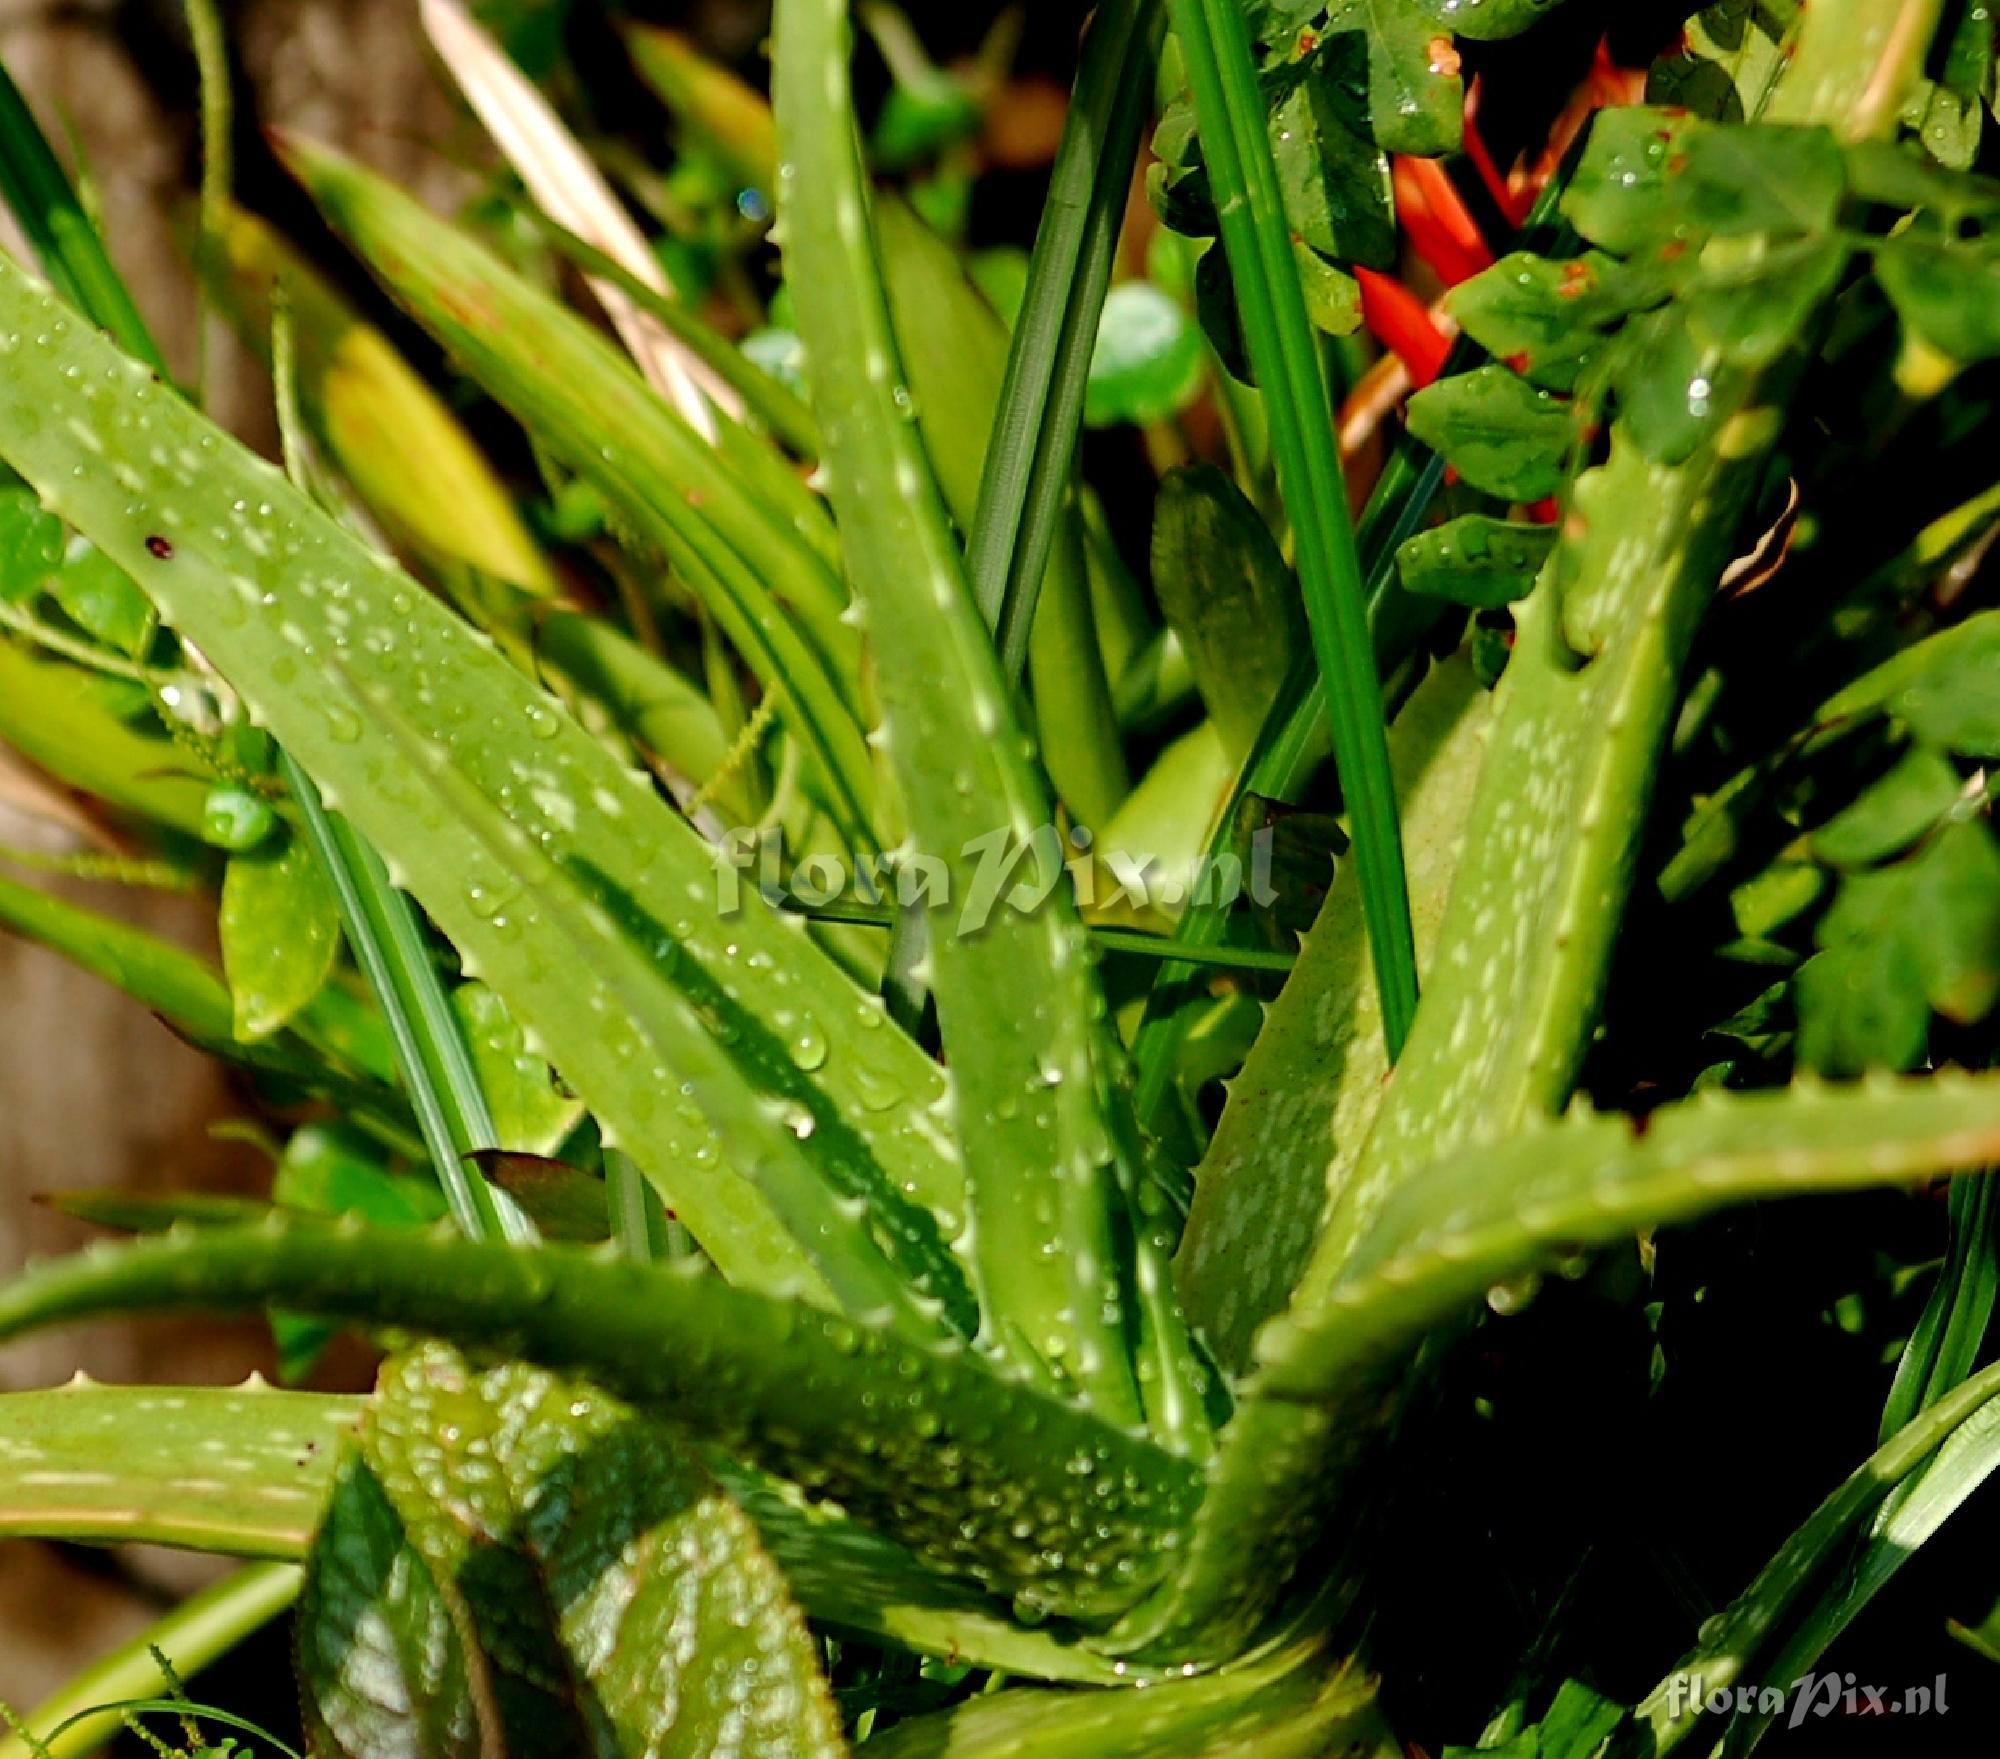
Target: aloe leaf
[[954, 349], [270, 590], [618, 1599], [1294, 1702], [1300, 1108], [1501, 1212], [1074, 1517], [243, 1471], [571, 389], [205, 1626], [1031, 1104], [411, 462]]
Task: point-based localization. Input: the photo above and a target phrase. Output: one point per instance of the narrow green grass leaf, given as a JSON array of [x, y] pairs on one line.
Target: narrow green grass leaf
[[1071, 1515], [1236, 148]]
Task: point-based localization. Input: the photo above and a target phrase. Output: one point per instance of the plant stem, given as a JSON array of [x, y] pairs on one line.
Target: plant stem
[[1215, 47], [195, 1633]]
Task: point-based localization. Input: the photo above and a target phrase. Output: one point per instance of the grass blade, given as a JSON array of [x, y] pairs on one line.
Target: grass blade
[[1215, 47], [1026, 479]]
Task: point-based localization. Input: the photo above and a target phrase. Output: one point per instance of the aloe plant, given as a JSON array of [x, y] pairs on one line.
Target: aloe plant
[[766, 1371]]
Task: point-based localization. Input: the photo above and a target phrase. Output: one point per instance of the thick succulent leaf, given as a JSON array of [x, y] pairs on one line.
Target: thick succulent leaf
[[1297, 1702], [1299, 1110], [748, 540], [618, 1601], [1496, 1215], [953, 347], [1030, 1104], [244, 1471], [533, 850], [1067, 1513]]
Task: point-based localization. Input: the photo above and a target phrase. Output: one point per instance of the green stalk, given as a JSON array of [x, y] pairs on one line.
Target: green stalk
[[387, 940], [76, 1722], [70, 252], [1028, 463], [1215, 47]]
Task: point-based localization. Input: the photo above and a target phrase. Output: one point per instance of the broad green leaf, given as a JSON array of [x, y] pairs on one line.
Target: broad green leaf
[[1499, 432], [1954, 923], [533, 849], [1618, 196], [529, 1112], [31, 544], [384, 1662], [1861, 1006], [1892, 814], [1738, 180], [1147, 365], [1538, 316], [1296, 1702], [244, 1470], [100, 599], [1332, 176], [1416, 100], [1229, 596], [1475, 560], [1673, 392], [1947, 294], [979, 1475], [621, 1602], [280, 932], [1036, 1110], [1489, 20], [1727, 61], [1755, 312], [390, 435]]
